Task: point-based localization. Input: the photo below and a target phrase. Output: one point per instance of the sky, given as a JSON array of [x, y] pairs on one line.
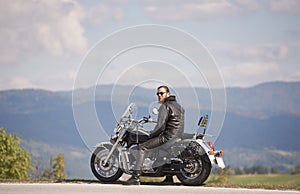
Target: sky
[[45, 43]]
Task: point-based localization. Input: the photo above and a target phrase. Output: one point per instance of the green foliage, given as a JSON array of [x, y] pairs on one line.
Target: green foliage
[[274, 170], [59, 167], [257, 170], [56, 170], [238, 171], [266, 181], [220, 176], [296, 170], [15, 162]]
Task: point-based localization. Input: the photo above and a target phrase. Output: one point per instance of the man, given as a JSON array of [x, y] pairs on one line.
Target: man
[[170, 124]]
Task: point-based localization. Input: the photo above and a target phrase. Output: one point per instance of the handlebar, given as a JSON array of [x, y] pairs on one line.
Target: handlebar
[[146, 120]]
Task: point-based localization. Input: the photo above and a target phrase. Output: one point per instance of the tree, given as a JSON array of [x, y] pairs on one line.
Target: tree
[[220, 176], [296, 170], [239, 171], [56, 170], [274, 170], [59, 167], [48, 173], [36, 172], [257, 170], [15, 162]]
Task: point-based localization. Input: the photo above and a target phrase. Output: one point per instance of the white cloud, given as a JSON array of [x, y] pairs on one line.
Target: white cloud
[[229, 53], [285, 6], [103, 12], [77, 154], [250, 73], [177, 10], [249, 4], [263, 52], [188, 10], [46, 38], [28, 27], [294, 76], [15, 82]]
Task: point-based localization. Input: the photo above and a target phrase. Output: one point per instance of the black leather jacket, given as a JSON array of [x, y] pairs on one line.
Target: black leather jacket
[[170, 121]]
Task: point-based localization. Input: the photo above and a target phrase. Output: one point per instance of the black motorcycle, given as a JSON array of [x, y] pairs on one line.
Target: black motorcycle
[[190, 158]]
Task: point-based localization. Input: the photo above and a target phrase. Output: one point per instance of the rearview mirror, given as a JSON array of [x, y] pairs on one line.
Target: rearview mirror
[[155, 111]]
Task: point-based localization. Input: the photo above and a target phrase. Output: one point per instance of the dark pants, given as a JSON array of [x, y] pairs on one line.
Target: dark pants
[[143, 148], [152, 143]]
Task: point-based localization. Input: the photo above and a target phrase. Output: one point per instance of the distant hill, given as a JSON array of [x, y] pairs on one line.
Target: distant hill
[[268, 113], [259, 117], [265, 100]]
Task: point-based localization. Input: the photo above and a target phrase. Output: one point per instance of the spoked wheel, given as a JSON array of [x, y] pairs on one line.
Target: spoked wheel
[[194, 171], [105, 172]]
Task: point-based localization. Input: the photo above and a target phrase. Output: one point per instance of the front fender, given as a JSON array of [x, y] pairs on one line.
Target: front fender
[[106, 145]]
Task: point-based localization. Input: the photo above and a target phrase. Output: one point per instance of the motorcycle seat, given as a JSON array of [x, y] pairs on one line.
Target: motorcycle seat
[[191, 136], [170, 142], [188, 136]]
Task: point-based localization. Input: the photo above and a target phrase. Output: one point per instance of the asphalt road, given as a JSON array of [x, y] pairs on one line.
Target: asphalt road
[[74, 188]]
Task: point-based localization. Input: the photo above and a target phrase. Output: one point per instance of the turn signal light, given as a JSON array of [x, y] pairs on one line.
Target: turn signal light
[[222, 153], [219, 154], [211, 152]]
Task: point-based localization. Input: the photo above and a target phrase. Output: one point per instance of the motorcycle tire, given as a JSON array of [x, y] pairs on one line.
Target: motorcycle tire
[[106, 173], [194, 172]]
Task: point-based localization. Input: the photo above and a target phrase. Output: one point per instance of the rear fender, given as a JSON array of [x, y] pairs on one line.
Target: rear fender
[[201, 150], [212, 158]]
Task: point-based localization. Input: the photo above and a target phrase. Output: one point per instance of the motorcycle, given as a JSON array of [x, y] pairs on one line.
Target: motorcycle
[[190, 157]]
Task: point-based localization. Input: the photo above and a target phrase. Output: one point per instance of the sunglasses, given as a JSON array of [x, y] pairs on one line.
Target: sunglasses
[[160, 93]]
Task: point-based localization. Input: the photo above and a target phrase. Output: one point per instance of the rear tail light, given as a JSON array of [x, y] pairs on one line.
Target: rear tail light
[[211, 145]]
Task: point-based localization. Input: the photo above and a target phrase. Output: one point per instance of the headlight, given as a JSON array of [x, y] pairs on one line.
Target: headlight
[[113, 138], [118, 128]]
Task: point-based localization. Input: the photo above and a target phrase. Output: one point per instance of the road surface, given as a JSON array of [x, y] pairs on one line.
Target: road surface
[[76, 188]]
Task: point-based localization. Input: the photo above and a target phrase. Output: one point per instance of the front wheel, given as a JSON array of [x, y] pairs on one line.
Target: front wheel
[[108, 172], [194, 171]]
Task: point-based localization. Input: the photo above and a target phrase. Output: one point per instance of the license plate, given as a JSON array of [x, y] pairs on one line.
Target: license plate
[[220, 162]]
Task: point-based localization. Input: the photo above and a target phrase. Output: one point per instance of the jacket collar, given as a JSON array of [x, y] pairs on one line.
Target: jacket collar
[[170, 98]]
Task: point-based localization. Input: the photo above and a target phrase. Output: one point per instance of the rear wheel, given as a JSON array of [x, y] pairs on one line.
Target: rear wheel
[[105, 172], [194, 171]]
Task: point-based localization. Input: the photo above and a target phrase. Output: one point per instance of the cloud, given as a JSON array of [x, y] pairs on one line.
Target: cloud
[[285, 6], [16, 82], [277, 52], [294, 76], [249, 73], [188, 10], [253, 5], [177, 10], [103, 12], [29, 27], [77, 154]]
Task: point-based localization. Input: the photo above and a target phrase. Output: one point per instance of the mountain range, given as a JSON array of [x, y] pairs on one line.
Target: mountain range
[[263, 118]]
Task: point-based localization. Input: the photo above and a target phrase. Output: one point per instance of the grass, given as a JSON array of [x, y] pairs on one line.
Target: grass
[[267, 181]]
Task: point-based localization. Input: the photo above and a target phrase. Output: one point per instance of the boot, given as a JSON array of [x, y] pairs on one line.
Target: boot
[[168, 180], [135, 178]]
